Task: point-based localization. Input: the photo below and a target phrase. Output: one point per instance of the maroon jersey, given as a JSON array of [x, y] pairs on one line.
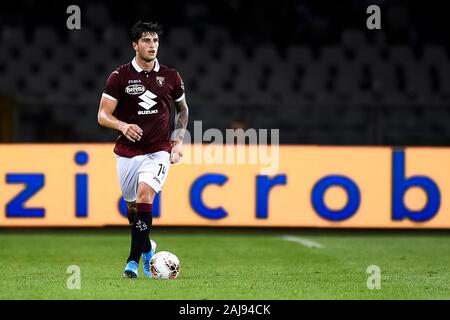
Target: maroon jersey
[[144, 98]]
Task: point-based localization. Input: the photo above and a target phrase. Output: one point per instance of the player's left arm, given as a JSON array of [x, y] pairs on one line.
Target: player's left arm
[[180, 130]]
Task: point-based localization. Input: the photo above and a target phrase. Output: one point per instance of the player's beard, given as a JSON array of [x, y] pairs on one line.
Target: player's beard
[[147, 58]]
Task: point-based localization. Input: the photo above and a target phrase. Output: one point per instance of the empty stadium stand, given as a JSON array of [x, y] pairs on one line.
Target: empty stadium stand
[[345, 87]]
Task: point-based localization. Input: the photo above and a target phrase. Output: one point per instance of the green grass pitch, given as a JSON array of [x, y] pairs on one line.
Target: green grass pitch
[[228, 265]]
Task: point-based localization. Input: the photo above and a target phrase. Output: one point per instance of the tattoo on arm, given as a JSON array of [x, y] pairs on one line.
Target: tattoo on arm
[[181, 120]]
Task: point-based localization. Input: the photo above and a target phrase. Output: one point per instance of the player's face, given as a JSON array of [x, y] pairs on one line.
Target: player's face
[[147, 46]]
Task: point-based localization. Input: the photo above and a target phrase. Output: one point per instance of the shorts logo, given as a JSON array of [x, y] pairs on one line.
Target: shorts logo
[[135, 89], [157, 180], [160, 81]]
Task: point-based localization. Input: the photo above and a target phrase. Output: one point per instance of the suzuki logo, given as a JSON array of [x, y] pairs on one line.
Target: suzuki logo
[[147, 102]]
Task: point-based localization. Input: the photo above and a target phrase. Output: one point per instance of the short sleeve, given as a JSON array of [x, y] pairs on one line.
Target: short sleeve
[[112, 89], [178, 90]]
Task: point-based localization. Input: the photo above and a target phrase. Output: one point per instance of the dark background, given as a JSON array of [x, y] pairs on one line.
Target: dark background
[[310, 68]]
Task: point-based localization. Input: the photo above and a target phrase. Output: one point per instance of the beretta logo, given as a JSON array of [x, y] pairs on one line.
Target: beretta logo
[[135, 89]]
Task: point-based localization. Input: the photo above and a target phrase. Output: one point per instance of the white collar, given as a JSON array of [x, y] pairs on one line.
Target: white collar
[[139, 69]]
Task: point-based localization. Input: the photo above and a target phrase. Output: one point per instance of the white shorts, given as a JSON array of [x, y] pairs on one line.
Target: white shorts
[[151, 169]]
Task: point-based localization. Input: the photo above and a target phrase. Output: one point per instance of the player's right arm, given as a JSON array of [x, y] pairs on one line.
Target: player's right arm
[[106, 118], [108, 104]]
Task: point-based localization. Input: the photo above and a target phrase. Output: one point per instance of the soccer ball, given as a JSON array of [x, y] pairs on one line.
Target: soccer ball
[[164, 265]]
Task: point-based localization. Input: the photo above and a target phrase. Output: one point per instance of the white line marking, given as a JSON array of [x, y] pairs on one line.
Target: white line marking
[[305, 242]]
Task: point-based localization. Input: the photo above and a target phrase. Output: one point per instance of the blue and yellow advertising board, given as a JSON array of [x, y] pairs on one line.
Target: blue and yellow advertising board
[[50, 185]]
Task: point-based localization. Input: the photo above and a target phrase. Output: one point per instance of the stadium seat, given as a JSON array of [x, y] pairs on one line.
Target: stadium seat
[[82, 39], [435, 55], [181, 38], [443, 73], [266, 55], [299, 56], [216, 36], [348, 81], [313, 82], [115, 37], [45, 37], [332, 55], [418, 82], [280, 81], [367, 55], [401, 55], [13, 36], [353, 39]]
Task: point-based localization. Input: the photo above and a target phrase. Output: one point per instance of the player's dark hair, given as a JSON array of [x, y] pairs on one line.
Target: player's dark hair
[[140, 28]]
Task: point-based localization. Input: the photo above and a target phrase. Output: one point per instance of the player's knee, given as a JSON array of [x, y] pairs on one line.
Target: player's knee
[[145, 194], [145, 198]]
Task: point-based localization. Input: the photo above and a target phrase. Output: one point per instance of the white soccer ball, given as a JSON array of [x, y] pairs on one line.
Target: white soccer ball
[[164, 265]]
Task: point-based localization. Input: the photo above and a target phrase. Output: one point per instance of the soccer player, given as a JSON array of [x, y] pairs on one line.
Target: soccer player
[[137, 102]]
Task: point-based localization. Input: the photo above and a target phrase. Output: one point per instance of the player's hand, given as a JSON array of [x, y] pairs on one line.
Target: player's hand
[[176, 154], [131, 131]]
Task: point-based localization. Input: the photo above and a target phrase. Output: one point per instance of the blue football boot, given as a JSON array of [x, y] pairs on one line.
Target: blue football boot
[[146, 256], [131, 270]]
